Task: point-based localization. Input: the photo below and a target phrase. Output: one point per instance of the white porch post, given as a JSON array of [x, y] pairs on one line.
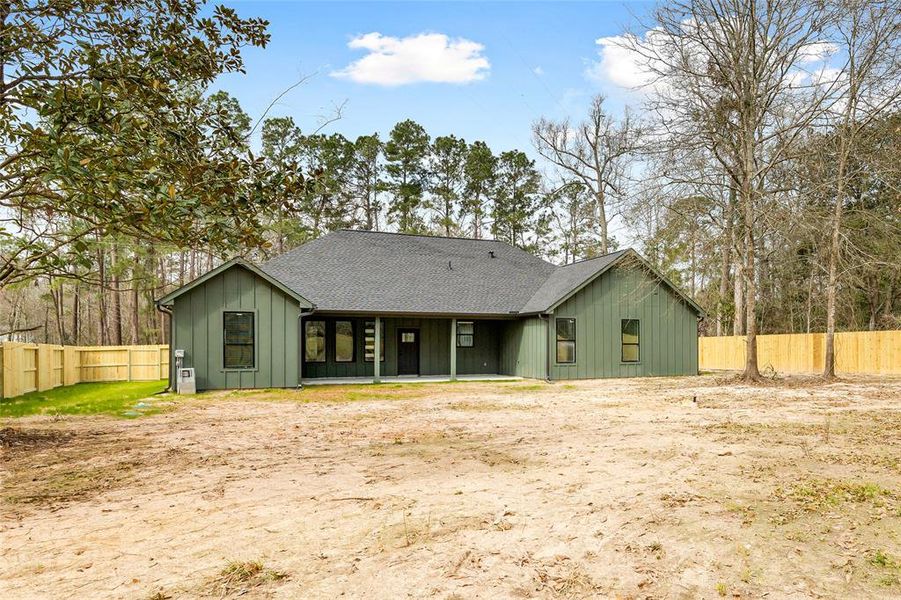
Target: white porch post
[[453, 350], [377, 362]]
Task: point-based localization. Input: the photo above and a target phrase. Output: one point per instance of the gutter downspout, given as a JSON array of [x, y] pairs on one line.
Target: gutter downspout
[[547, 348], [300, 319], [168, 311]]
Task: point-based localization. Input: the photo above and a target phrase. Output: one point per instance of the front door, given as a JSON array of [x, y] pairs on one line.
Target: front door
[[408, 352]]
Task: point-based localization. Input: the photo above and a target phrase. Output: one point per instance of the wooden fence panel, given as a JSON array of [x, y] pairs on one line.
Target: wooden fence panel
[[29, 368], [873, 352], [39, 367], [104, 363]]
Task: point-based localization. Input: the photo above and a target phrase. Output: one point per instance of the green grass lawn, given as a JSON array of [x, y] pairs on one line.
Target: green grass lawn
[[120, 398]]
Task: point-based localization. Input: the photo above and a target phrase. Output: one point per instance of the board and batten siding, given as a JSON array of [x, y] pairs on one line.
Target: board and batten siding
[[524, 348], [434, 348], [198, 323], [668, 327]]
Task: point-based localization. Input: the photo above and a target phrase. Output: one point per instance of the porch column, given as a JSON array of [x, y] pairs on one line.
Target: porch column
[[453, 350], [377, 363]]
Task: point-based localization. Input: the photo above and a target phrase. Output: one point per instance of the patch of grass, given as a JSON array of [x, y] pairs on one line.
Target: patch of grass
[[722, 589], [481, 406], [818, 494], [529, 387], [881, 559], [119, 399], [745, 511], [240, 577], [362, 392], [889, 566]]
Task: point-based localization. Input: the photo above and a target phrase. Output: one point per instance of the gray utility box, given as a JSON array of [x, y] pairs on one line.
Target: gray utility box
[[186, 383]]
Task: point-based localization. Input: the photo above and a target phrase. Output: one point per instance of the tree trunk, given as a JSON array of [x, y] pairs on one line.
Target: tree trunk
[[748, 192], [101, 299], [135, 307], [832, 282], [738, 298], [117, 297], [809, 301], [76, 315], [601, 216], [751, 369], [725, 261]]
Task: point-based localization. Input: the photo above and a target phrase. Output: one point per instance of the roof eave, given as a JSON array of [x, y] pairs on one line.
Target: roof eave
[[169, 298], [411, 313]]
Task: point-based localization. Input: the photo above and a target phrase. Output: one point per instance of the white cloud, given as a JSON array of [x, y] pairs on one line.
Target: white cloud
[[426, 57], [817, 52], [538, 71], [618, 64]]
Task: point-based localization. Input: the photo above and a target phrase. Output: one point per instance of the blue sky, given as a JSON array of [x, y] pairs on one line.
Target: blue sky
[[536, 59]]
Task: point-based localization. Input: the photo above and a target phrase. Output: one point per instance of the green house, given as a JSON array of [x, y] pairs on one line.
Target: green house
[[371, 305]]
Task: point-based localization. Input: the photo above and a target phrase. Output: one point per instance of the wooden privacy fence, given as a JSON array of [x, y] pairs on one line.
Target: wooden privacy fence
[[39, 367], [875, 352]]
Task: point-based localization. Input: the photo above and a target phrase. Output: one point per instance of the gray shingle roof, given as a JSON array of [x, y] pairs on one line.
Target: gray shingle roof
[[565, 279], [377, 272], [366, 271]]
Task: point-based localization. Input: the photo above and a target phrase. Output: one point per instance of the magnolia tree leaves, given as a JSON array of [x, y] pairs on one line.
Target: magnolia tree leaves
[[105, 129]]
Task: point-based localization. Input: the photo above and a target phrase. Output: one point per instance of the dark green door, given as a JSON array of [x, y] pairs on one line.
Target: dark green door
[[408, 352]]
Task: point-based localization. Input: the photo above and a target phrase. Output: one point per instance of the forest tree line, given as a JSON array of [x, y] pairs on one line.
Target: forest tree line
[[758, 169]]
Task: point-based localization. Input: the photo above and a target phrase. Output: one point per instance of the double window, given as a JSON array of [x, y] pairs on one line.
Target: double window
[[238, 340], [631, 329], [314, 341], [566, 341], [465, 334], [344, 342], [369, 342]]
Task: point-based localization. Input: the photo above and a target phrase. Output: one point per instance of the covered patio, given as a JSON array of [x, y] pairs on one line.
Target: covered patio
[[354, 348], [407, 379]]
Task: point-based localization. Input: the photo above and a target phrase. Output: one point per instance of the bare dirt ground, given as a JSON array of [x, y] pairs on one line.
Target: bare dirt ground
[[652, 488]]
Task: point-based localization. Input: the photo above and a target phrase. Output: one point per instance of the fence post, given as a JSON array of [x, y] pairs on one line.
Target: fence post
[[128, 363]]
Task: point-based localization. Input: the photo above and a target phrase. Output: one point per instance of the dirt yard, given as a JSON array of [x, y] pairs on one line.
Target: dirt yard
[[654, 488]]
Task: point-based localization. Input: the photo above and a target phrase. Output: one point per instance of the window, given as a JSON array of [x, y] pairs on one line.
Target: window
[[369, 342], [631, 329], [408, 337], [344, 341], [566, 341], [314, 336], [237, 333], [464, 334]]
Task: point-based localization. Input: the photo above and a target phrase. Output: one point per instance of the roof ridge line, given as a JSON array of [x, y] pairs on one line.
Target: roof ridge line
[[584, 260], [424, 235]]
